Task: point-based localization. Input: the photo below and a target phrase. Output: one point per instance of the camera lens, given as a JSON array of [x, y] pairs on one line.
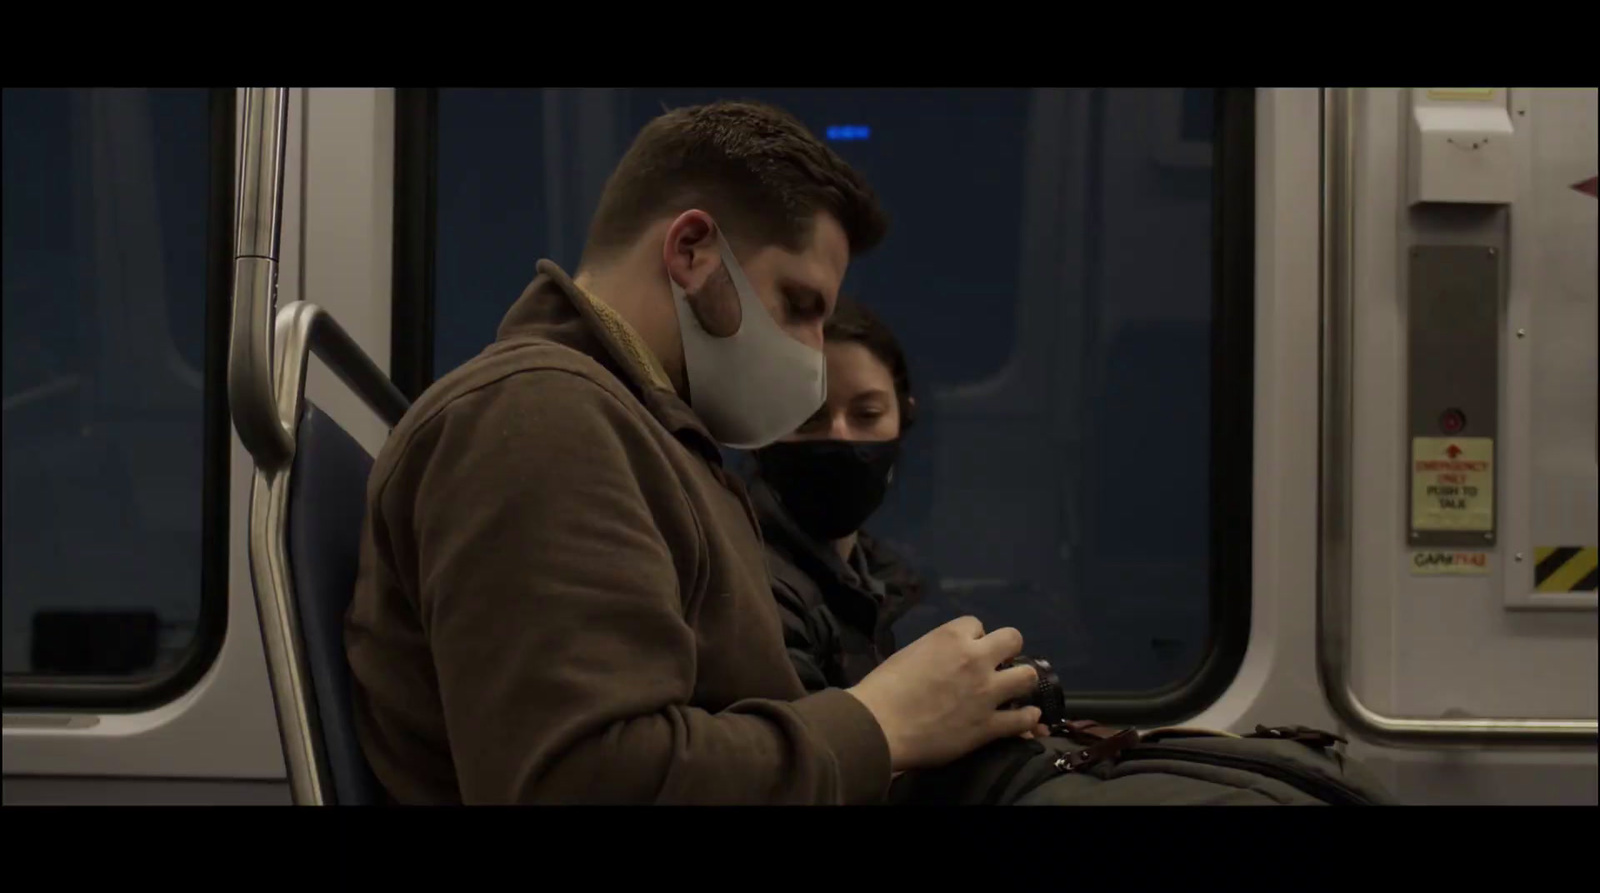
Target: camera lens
[[1047, 694]]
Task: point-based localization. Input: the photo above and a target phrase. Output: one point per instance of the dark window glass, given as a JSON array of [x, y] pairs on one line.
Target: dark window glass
[[1050, 273], [110, 255]]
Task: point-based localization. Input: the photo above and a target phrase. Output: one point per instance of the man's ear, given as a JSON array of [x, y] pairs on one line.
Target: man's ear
[[689, 249], [693, 258]]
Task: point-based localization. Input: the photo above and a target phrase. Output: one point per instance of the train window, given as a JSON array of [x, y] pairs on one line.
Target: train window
[[117, 216], [1070, 273]]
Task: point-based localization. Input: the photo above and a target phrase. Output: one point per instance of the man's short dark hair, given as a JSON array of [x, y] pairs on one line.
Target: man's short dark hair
[[753, 167], [853, 323]]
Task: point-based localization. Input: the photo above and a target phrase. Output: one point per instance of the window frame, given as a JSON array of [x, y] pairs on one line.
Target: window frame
[[416, 207], [117, 694], [1231, 437], [1232, 434]]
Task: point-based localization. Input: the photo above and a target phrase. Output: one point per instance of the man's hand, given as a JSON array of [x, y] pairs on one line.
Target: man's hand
[[939, 698]]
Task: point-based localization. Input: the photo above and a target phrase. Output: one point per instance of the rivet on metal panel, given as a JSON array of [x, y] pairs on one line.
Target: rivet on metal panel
[[1522, 333], [1488, 536], [1517, 556], [1492, 252], [1415, 535]]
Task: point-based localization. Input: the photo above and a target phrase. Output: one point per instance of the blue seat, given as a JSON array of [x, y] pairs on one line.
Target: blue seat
[[326, 506]]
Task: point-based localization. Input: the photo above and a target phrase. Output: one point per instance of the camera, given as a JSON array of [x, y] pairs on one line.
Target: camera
[[1047, 695]]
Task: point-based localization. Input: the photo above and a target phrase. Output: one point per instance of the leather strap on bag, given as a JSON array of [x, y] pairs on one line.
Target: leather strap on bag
[[1100, 743], [1300, 734]]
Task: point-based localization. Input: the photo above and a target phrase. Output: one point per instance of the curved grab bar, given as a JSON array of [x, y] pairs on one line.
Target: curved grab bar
[[1334, 522], [302, 329], [255, 274]]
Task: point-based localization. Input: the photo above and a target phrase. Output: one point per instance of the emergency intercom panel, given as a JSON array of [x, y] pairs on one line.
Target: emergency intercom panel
[[1454, 383]]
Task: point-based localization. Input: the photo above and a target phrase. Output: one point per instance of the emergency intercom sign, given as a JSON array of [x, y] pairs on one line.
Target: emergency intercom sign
[[1452, 484]]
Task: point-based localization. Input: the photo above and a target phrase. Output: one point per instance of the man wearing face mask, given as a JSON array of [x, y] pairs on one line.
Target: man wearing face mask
[[562, 594], [839, 590]]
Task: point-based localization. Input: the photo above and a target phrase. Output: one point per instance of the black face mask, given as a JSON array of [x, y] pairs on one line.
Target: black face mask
[[829, 487]]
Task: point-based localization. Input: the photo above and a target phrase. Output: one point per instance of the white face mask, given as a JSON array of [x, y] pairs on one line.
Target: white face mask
[[755, 385]]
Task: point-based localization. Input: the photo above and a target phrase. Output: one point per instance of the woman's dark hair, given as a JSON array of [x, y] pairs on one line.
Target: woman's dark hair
[[853, 323]]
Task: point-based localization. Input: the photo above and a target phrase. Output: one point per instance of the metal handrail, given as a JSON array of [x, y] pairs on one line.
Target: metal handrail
[[255, 273], [301, 330], [1334, 551], [269, 350]]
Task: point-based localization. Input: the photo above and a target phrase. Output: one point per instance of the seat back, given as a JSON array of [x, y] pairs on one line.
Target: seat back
[[326, 507]]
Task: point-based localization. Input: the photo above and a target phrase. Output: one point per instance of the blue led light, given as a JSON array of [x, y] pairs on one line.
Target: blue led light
[[848, 132]]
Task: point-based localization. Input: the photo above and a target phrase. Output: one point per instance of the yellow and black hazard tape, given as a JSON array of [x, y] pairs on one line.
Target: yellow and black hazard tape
[[1564, 569]]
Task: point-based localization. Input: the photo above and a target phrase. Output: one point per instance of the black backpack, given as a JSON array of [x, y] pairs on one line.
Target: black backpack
[[1087, 764]]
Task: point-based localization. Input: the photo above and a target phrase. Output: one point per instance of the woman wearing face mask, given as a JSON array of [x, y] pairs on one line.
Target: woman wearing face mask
[[839, 590]]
